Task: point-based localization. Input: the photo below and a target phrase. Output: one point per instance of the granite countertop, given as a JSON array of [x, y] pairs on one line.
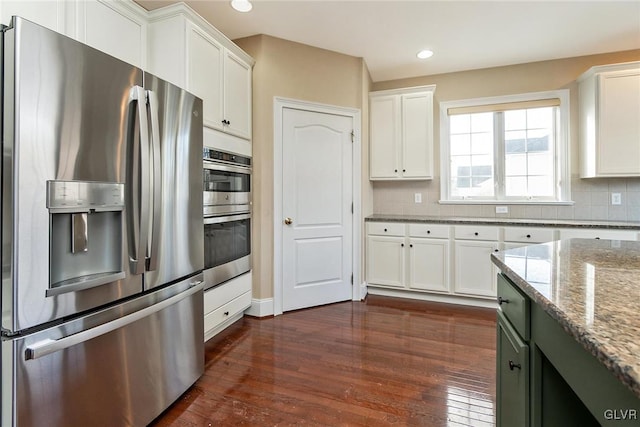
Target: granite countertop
[[556, 223], [592, 288]]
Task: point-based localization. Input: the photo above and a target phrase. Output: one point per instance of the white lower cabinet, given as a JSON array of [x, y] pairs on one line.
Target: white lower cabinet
[[452, 263], [475, 274], [385, 260], [225, 304], [429, 264]]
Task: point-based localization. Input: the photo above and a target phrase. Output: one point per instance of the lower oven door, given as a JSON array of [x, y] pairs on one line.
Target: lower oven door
[[227, 247]]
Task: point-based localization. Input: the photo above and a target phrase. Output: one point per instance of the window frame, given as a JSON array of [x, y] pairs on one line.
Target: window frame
[[562, 163]]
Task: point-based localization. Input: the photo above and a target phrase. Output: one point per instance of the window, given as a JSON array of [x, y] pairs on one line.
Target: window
[[506, 149]]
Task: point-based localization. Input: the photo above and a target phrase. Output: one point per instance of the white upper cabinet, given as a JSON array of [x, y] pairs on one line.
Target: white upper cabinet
[[205, 70], [401, 135], [610, 121], [117, 28], [187, 51], [237, 95], [114, 27], [50, 14]]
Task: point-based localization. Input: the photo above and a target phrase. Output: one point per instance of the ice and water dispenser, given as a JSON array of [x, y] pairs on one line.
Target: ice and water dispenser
[[85, 234]]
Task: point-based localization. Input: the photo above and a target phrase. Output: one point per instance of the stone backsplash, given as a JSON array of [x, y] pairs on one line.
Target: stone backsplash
[[592, 199]]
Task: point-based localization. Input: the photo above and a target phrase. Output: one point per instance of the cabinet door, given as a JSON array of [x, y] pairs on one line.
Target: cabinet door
[[512, 368], [619, 123], [475, 274], [205, 59], [417, 135], [237, 96], [384, 119], [112, 28], [429, 264], [385, 261], [50, 14]]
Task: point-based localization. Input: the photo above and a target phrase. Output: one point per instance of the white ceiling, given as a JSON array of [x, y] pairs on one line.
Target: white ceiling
[[463, 34]]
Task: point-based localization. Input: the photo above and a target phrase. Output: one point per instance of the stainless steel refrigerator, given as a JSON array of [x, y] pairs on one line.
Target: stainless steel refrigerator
[[102, 243]]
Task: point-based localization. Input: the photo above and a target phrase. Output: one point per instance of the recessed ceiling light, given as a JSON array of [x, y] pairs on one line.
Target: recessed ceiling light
[[424, 54], [241, 5]]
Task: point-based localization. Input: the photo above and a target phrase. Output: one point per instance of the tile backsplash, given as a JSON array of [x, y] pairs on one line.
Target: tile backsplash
[[592, 199]]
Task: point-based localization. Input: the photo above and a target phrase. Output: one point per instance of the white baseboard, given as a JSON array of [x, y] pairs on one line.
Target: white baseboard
[[260, 307], [449, 299], [363, 290]]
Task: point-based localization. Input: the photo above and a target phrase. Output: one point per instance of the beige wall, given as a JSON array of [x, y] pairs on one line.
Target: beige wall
[[291, 70], [591, 195]]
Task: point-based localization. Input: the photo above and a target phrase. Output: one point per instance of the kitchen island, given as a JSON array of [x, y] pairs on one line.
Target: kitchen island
[[569, 334]]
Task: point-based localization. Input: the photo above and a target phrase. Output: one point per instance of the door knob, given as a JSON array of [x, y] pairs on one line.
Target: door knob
[[288, 221]]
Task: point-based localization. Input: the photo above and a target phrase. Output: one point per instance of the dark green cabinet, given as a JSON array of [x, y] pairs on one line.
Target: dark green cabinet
[[512, 380]]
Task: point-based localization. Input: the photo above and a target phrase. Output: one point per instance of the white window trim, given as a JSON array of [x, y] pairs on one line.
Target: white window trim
[[563, 165]]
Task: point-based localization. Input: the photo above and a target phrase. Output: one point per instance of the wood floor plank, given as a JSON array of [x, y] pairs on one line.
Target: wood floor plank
[[381, 362]]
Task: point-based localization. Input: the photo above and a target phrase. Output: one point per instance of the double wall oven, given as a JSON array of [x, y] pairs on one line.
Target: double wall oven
[[227, 215]]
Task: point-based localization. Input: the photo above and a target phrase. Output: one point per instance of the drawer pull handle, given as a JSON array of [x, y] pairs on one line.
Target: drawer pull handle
[[476, 233], [226, 313], [528, 236], [514, 365], [502, 301]]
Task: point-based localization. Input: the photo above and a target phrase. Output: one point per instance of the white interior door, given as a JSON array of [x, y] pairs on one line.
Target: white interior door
[[317, 208]]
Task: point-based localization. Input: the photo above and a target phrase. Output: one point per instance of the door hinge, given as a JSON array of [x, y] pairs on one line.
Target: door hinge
[[351, 207], [353, 135], [352, 279]]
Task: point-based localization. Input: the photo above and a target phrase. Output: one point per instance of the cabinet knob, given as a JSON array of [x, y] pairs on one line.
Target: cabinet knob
[[404, 170], [226, 313], [597, 238], [476, 233], [502, 300], [385, 230], [402, 244], [528, 236], [514, 365], [395, 170], [428, 231], [496, 250], [410, 246]]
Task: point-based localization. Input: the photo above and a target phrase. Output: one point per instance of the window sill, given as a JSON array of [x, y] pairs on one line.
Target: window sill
[[507, 202]]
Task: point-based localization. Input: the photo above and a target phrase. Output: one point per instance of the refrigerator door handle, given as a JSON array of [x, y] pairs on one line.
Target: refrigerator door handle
[[138, 183], [48, 346], [156, 182]]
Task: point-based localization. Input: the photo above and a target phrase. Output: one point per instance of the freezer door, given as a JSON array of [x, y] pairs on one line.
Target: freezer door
[[124, 372], [68, 117], [177, 243]]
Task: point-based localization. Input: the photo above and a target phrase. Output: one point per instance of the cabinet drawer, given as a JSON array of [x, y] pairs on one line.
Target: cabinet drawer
[[386, 228], [226, 311], [472, 232], [598, 233], [514, 305], [432, 231], [222, 294], [528, 235]]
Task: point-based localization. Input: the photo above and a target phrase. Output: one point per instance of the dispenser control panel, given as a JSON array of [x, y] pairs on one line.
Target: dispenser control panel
[[83, 196]]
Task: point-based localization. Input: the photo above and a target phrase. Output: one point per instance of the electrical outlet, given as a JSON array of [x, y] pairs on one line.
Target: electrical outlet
[[502, 209], [616, 198], [417, 197]]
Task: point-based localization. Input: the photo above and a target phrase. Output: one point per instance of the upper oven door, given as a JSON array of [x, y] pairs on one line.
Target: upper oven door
[[226, 184]]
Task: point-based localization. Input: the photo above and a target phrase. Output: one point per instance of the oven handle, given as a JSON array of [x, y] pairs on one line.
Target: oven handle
[[227, 218], [226, 168]]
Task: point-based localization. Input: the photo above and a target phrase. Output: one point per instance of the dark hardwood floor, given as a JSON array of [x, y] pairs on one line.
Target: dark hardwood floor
[[381, 362]]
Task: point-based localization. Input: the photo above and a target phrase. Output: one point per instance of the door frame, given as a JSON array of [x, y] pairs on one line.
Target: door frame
[[279, 105]]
